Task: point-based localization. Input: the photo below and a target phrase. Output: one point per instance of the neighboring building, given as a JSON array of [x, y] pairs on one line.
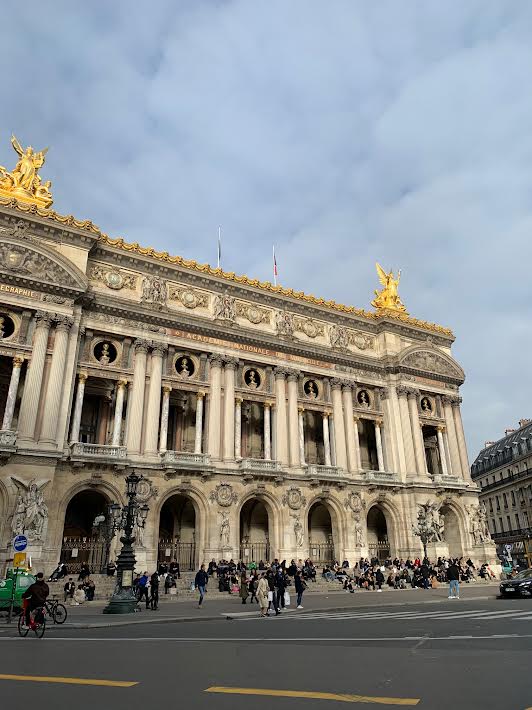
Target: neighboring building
[[503, 471], [268, 423]]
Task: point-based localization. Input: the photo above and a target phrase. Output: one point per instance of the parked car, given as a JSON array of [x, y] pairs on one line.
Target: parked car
[[520, 585], [23, 581]]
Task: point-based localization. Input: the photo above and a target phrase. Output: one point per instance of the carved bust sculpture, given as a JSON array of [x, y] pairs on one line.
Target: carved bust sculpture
[[252, 379], [104, 357], [363, 398], [426, 405]]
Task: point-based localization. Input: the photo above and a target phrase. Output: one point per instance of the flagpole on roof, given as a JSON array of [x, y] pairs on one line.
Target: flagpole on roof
[[219, 246], [274, 268]]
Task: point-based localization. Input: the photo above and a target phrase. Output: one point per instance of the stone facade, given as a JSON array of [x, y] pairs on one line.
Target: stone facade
[[503, 470], [267, 423]]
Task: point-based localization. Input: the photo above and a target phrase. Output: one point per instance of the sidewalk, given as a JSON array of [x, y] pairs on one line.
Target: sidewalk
[[90, 616]]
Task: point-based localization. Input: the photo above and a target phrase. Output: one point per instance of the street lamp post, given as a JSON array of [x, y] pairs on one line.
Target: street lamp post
[[125, 518]]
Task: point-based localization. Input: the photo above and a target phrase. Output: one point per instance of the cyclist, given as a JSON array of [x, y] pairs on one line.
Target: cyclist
[[36, 594]]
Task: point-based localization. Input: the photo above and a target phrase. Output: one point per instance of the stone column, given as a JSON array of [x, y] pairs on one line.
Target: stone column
[[358, 459], [378, 441], [165, 409], [441, 449], [301, 427], [326, 439], [406, 426], [78, 407], [136, 405], [215, 405], [281, 437], [347, 396], [462, 447], [229, 409], [417, 435], [12, 392], [119, 409], [339, 428], [293, 422], [456, 468], [238, 428], [55, 381], [267, 432], [154, 400], [199, 422], [32, 387]]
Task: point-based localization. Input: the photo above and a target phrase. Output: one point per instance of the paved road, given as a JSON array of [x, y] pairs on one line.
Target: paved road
[[460, 654]]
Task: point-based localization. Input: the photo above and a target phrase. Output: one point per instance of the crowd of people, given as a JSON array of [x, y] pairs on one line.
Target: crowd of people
[[75, 593]]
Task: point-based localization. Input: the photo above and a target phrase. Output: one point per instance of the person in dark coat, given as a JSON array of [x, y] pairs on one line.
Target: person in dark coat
[[69, 589], [36, 594], [379, 579], [84, 572], [453, 577], [200, 583], [300, 586], [154, 586]]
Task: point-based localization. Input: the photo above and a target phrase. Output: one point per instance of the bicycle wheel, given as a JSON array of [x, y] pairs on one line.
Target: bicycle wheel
[[22, 628], [40, 625], [60, 614]]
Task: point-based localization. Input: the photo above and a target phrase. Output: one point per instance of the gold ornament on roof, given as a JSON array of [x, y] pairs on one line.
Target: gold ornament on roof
[[24, 183], [387, 299]]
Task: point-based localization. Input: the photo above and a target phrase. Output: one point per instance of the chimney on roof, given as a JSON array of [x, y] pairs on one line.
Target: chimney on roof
[[488, 443], [508, 431], [522, 422]]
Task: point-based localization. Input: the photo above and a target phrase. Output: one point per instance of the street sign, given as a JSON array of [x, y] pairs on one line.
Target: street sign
[[19, 560], [20, 543]]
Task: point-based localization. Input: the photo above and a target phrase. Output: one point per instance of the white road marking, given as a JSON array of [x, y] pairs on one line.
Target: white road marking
[[289, 639]]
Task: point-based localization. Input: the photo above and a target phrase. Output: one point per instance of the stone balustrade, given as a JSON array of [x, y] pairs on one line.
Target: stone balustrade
[[80, 449], [185, 459], [269, 466]]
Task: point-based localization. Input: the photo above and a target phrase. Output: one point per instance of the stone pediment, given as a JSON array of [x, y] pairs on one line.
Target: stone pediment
[[432, 362], [24, 259]]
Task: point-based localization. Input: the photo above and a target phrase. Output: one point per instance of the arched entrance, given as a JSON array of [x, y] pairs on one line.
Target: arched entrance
[[451, 531], [177, 532], [320, 534], [83, 542], [254, 532], [377, 532]]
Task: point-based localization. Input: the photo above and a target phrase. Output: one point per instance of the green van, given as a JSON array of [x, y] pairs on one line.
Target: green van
[[23, 581]]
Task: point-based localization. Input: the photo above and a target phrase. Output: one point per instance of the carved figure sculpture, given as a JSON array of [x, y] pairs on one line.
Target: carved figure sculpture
[[154, 291], [104, 357], [23, 182], [339, 337], [31, 512], [359, 532], [285, 323], [225, 530], [298, 530], [363, 399], [2, 321], [388, 298], [225, 307], [252, 379]]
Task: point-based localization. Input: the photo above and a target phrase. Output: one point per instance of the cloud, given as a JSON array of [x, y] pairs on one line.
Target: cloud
[[345, 132]]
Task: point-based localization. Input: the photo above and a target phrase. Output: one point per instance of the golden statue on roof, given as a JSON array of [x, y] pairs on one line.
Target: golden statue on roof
[[24, 183], [387, 299]]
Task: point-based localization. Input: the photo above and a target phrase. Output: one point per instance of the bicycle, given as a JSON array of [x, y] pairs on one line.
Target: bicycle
[[56, 610], [37, 622]]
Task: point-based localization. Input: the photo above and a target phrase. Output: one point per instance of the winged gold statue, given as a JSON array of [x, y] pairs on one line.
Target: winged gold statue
[[388, 298], [24, 182]]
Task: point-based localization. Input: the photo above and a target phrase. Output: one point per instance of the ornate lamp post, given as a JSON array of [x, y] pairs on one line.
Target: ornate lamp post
[[123, 600], [429, 528]]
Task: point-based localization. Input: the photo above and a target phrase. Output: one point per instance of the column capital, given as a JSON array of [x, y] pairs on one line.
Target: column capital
[[141, 345], [378, 423], [356, 418], [159, 349], [216, 360], [83, 376], [268, 405], [337, 383], [301, 410], [292, 376], [456, 401], [280, 373], [18, 361], [63, 323], [200, 394], [44, 319], [440, 428], [238, 400], [326, 414], [230, 363], [384, 392], [167, 389], [347, 386]]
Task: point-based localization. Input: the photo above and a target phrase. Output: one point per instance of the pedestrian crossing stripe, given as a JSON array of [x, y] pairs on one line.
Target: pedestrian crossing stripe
[[442, 615]]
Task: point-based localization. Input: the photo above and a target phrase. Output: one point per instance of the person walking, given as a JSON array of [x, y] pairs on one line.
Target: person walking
[[200, 583], [142, 588], [300, 586], [262, 594], [244, 592], [154, 587], [252, 586], [453, 577]]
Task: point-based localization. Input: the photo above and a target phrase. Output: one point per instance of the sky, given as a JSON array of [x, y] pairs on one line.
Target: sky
[[343, 132]]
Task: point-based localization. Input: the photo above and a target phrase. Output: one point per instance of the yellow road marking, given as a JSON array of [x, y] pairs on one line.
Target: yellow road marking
[[70, 681], [342, 697]]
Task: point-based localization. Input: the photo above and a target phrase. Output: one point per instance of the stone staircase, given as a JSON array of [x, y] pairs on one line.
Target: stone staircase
[[105, 587]]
